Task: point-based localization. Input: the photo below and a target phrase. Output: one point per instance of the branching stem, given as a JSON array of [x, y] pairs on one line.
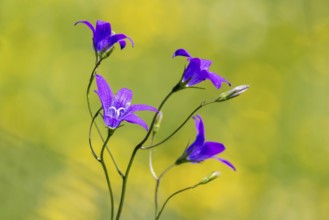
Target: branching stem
[[139, 146], [158, 181], [106, 172]]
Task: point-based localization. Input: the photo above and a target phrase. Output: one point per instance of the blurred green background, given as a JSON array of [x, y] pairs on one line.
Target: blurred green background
[[277, 133]]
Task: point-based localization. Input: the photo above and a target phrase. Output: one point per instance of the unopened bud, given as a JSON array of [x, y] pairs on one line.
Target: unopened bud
[[157, 122], [232, 93], [210, 177]]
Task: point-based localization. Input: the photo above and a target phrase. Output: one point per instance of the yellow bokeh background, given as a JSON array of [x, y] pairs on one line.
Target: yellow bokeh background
[[277, 133]]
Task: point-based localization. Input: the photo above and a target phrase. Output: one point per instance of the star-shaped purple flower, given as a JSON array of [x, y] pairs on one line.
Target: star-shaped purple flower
[[118, 108], [198, 71], [200, 149], [103, 36]]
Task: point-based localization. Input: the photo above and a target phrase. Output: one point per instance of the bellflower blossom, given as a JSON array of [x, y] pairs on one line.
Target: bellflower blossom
[[118, 108], [103, 36], [198, 71], [201, 150]]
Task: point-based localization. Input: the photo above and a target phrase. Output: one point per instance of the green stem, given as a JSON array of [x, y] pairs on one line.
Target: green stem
[[139, 146], [106, 172], [151, 159], [158, 180], [172, 195], [91, 79], [90, 128], [151, 165], [203, 104]]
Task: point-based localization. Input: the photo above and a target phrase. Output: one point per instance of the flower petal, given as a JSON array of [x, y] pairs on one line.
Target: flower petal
[[103, 28], [86, 23], [205, 64], [198, 77], [102, 33], [112, 122], [192, 69], [229, 164], [141, 107], [199, 127], [122, 44], [102, 45], [104, 92], [200, 138], [181, 52], [122, 98], [208, 150], [217, 80], [132, 118], [119, 38]]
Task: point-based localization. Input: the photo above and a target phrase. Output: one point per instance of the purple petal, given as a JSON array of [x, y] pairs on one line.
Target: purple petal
[[122, 44], [181, 52], [131, 41], [102, 33], [103, 28], [104, 92], [86, 23], [199, 127], [198, 77], [217, 80], [200, 138], [208, 150], [122, 98], [141, 107], [132, 118], [205, 64], [119, 38], [112, 122], [102, 45], [227, 163], [192, 69]]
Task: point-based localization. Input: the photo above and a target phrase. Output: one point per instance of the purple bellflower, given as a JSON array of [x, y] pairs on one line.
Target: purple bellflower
[[118, 108], [198, 71], [103, 36], [200, 149]]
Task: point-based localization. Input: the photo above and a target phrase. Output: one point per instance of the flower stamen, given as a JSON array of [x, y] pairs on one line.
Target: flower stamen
[[115, 113]]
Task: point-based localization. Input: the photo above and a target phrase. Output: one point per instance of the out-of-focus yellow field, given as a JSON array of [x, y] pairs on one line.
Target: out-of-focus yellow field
[[276, 134]]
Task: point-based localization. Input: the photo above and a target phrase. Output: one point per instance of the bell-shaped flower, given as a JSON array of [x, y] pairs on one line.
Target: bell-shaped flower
[[103, 36], [200, 149], [118, 107], [198, 71]]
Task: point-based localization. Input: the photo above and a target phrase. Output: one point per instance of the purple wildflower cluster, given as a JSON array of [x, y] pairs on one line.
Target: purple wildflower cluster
[[116, 109]]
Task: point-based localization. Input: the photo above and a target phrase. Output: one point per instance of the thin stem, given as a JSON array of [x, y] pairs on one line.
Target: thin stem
[[91, 79], [90, 128], [124, 182], [158, 180], [203, 104], [151, 165], [172, 195], [106, 173], [139, 146]]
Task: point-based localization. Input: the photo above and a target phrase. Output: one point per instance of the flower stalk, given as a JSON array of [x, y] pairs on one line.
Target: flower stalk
[[110, 132], [157, 185], [205, 180]]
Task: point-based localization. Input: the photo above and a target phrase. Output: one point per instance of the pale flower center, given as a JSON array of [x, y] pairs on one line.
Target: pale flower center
[[115, 113]]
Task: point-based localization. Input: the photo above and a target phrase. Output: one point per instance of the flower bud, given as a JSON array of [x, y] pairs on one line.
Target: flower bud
[[210, 177], [157, 122], [232, 93]]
